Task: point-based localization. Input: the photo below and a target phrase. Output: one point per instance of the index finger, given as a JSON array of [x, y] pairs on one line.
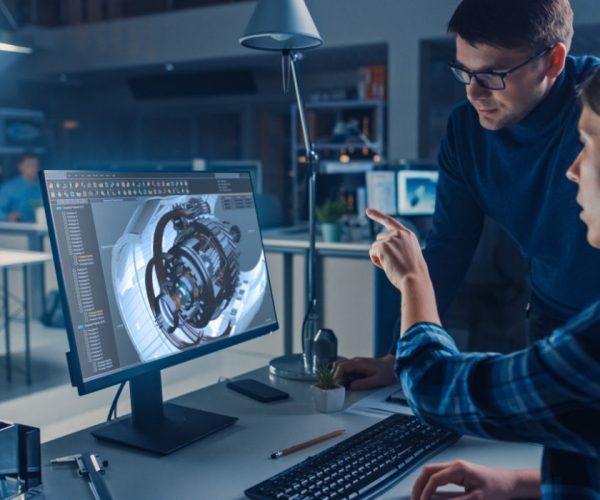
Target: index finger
[[385, 220]]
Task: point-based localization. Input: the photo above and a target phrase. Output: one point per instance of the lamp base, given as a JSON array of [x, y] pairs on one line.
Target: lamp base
[[290, 366]]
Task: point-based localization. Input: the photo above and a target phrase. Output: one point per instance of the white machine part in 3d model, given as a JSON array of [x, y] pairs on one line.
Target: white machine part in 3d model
[[177, 279]]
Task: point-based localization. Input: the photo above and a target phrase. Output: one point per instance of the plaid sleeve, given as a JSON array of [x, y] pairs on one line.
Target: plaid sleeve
[[548, 393]]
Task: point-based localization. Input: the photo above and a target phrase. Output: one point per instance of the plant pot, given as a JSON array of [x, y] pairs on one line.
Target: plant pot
[[328, 400], [331, 232]]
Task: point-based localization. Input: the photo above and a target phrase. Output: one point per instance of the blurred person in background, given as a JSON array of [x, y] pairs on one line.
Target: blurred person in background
[[20, 195]]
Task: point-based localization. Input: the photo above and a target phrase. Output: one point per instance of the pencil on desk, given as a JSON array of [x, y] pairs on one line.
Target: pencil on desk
[[306, 444]]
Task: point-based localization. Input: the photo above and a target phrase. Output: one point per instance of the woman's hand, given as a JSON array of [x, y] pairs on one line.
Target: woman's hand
[[478, 481], [397, 251]]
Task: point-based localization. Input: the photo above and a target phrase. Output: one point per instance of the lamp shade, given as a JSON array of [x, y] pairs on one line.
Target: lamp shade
[[281, 25]]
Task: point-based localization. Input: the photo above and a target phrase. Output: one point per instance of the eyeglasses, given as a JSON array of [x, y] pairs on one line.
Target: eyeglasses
[[492, 80]]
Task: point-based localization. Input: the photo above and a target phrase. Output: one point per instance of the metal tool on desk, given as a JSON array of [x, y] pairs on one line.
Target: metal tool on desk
[[90, 467]]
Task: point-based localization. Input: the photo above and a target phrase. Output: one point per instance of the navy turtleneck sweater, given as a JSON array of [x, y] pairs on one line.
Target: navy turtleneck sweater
[[516, 176]]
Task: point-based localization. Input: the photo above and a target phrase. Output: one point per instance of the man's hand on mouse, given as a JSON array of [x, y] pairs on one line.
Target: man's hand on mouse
[[365, 373]]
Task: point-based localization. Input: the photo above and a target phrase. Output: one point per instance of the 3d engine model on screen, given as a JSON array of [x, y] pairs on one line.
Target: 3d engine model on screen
[[197, 276], [179, 276]]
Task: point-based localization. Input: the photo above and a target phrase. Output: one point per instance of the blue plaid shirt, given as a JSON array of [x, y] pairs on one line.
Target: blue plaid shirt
[[547, 394]]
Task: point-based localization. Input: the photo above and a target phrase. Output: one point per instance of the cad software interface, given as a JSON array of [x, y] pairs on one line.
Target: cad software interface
[[155, 264]]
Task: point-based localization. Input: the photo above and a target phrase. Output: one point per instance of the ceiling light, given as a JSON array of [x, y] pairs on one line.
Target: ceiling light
[[10, 47]]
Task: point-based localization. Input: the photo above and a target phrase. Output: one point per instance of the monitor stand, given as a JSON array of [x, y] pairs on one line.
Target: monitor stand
[[156, 426]]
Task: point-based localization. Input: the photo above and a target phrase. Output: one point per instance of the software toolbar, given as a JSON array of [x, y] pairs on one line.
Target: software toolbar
[[116, 188]]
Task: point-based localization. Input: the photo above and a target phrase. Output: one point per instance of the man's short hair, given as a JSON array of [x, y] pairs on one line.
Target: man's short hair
[[514, 24], [26, 156], [590, 92]]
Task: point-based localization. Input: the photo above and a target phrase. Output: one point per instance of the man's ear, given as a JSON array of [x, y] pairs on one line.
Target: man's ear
[[556, 60]]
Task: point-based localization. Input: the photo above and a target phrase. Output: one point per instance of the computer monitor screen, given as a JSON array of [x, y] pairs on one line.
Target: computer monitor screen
[[155, 268], [416, 192]]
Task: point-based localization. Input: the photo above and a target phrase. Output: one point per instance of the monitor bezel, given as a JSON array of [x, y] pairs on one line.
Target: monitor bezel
[[123, 375]]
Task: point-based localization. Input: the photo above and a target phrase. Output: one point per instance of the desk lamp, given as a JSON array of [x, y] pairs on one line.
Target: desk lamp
[[286, 26]]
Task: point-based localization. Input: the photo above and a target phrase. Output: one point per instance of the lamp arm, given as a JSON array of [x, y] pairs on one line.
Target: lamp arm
[[313, 161], [294, 58], [311, 322], [286, 26]]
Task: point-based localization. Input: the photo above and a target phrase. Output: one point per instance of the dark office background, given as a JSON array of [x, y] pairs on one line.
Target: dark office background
[[149, 94]]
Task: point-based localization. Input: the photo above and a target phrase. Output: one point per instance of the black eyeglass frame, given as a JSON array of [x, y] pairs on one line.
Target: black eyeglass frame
[[502, 74]]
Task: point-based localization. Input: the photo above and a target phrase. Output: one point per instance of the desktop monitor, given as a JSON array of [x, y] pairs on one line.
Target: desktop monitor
[[155, 268], [416, 192]]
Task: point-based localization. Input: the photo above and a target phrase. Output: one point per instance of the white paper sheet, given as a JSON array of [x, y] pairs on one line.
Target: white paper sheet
[[376, 404]]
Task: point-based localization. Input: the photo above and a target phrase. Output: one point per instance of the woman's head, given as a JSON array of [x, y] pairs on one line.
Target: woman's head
[[585, 171]]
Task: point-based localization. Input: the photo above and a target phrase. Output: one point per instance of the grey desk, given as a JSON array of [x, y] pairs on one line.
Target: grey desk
[[35, 234], [221, 466], [13, 259]]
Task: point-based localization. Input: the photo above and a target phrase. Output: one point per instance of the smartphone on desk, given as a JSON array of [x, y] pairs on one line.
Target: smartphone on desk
[[257, 390]]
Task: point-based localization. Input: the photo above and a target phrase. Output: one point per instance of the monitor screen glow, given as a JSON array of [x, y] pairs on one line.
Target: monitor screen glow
[[417, 192]]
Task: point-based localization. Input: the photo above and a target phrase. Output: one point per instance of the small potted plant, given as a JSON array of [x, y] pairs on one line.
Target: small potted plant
[[327, 394], [329, 215]]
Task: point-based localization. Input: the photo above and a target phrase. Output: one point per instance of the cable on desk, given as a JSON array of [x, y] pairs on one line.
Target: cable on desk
[[112, 412]]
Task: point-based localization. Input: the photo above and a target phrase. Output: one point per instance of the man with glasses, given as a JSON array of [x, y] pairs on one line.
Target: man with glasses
[[504, 155]]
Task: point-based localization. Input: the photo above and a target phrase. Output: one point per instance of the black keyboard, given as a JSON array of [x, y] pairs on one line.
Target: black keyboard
[[361, 466]]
